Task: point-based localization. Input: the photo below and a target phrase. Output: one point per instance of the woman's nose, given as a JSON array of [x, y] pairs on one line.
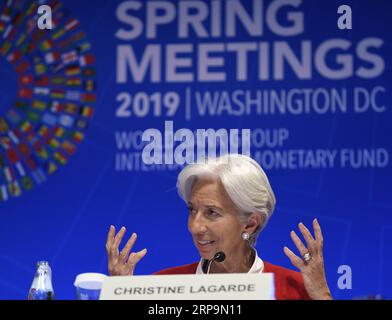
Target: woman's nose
[[197, 224]]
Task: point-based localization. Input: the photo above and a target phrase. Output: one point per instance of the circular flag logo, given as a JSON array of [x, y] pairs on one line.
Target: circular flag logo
[[54, 71]]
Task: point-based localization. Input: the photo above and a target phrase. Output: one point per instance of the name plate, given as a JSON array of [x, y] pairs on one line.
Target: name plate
[[229, 286]]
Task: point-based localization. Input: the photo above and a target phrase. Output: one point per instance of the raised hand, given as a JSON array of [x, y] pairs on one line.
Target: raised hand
[[122, 263], [311, 263]]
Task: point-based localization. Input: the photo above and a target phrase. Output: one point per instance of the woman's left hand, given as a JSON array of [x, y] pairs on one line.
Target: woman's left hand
[[311, 265]]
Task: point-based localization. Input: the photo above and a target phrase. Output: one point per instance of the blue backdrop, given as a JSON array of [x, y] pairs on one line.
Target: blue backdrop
[[74, 101]]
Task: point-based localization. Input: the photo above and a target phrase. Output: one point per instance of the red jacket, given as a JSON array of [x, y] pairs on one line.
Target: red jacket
[[289, 284]]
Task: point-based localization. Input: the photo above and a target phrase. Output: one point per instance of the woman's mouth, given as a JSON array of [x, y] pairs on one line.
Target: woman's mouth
[[205, 244]]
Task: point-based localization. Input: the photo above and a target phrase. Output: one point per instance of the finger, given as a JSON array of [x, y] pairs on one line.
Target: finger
[[295, 260], [298, 243], [110, 238], [128, 247], [317, 231], [307, 236], [117, 239], [134, 258]]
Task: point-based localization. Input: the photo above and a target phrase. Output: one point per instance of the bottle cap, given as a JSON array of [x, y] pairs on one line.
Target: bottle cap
[[90, 280]]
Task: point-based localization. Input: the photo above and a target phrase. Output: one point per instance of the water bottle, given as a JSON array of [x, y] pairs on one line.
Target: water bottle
[[41, 288]]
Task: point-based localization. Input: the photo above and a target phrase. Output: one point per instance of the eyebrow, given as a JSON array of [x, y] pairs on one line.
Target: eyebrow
[[210, 206], [214, 207]]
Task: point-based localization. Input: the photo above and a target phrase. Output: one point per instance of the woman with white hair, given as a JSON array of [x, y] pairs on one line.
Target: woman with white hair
[[230, 201]]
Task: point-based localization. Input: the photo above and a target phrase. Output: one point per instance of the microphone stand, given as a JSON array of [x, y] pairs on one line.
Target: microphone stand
[[218, 257]]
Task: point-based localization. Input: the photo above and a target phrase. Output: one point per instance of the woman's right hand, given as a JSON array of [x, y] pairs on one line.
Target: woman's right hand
[[122, 263]]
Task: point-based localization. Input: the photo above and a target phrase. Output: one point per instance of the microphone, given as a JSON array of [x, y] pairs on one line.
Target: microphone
[[218, 257]]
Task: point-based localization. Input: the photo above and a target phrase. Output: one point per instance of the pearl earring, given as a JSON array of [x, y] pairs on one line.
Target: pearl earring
[[245, 235]]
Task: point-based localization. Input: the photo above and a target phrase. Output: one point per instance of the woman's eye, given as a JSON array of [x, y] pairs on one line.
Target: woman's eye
[[191, 210], [213, 213]]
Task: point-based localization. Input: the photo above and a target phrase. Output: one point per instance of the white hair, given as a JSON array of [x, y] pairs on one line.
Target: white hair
[[244, 180]]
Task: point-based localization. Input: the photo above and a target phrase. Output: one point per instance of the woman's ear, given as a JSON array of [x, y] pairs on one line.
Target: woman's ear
[[254, 221]]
